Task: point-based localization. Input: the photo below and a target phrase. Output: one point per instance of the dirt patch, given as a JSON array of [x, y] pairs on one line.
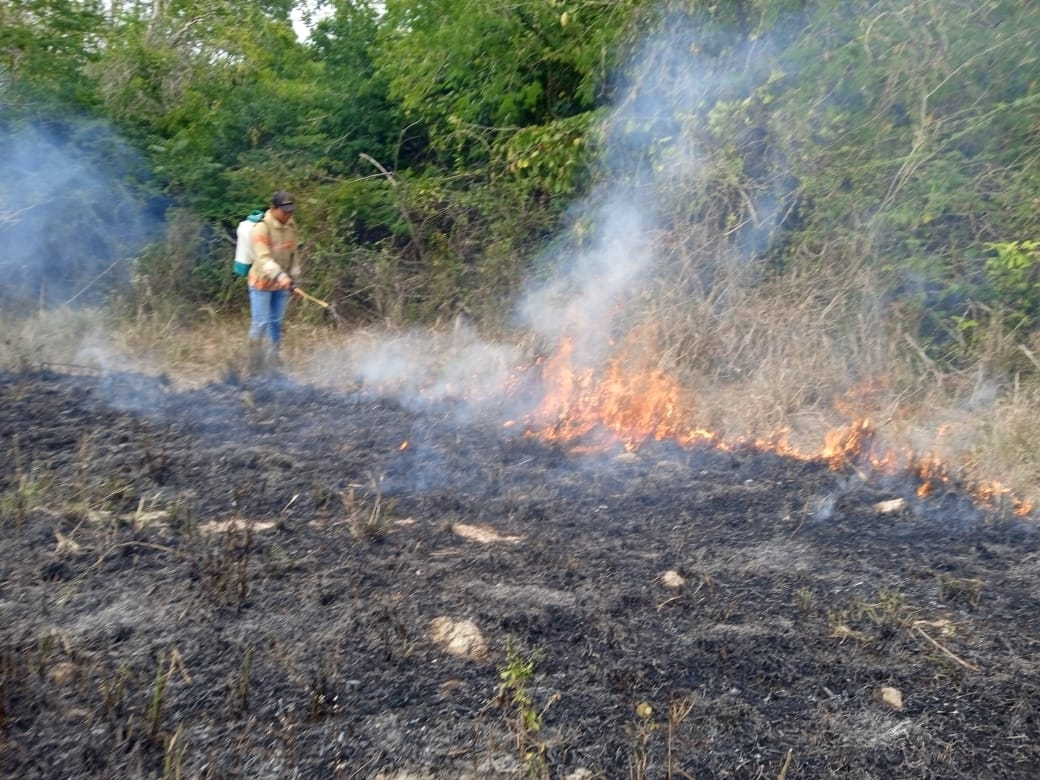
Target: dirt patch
[[259, 580]]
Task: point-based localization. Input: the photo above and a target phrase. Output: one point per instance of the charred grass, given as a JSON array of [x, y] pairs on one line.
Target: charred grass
[[210, 586]]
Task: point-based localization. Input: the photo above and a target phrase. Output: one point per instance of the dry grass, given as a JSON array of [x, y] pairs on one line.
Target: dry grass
[[796, 359], [190, 349], [787, 363], [59, 337]]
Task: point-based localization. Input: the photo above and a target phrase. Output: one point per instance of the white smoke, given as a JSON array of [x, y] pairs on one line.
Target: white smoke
[[422, 367], [70, 227], [598, 269], [583, 297], [654, 145]]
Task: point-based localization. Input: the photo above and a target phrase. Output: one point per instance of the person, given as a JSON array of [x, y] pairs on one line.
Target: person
[[275, 262]]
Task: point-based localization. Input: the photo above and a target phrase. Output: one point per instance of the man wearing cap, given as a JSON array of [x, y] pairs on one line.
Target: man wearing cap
[[275, 262]]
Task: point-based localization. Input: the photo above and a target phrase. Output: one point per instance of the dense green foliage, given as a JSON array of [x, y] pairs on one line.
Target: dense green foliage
[[437, 145]]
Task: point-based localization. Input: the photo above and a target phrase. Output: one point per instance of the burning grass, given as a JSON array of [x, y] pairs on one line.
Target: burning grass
[[643, 390]]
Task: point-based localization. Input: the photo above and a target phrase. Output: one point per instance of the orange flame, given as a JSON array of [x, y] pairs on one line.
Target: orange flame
[[632, 400], [845, 445]]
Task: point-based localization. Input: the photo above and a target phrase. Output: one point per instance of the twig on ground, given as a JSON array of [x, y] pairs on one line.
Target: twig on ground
[[943, 649]]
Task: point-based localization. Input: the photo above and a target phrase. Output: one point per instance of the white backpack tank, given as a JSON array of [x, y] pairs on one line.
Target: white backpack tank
[[244, 242]]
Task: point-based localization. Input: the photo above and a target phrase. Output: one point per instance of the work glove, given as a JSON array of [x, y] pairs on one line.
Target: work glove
[[283, 282]]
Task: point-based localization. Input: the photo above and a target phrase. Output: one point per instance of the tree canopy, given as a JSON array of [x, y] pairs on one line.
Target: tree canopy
[[438, 144]]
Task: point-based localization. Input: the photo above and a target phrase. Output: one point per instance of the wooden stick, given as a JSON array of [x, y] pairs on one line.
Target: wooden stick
[[945, 651]]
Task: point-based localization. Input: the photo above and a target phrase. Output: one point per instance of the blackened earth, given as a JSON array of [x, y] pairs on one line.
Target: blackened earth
[[260, 579]]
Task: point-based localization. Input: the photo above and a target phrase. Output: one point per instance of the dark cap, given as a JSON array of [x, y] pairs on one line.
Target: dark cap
[[284, 201]]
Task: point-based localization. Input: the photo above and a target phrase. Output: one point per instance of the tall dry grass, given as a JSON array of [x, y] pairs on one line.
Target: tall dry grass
[[786, 360], [794, 358]]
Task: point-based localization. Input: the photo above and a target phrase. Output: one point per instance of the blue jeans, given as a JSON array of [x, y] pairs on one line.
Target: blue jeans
[[267, 308]]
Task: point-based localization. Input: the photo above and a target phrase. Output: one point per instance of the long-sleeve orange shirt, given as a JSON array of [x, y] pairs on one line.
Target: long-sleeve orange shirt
[[274, 251]]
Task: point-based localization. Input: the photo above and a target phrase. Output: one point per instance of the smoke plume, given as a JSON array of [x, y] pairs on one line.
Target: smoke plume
[[70, 226]]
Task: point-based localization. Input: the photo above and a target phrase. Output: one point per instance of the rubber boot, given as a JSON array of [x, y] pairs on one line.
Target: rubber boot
[[256, 356], [274, 357]]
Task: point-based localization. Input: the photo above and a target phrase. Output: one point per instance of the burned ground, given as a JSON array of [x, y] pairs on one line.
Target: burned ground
[[267, 580]]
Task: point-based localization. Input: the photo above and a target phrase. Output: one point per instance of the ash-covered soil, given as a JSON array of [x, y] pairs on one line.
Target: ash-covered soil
[[266, 580]]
